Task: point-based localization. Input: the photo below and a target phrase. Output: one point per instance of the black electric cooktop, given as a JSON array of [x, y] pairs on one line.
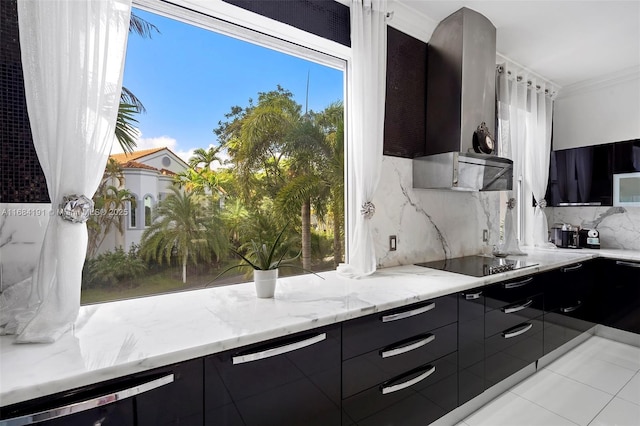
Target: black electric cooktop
[[477, 266]]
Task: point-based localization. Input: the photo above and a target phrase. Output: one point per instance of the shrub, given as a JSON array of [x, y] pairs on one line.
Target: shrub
[[111, 268]]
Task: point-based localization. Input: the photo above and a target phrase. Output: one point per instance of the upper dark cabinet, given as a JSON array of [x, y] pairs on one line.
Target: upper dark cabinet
[[627, 157], [405, 107], [584, 176]]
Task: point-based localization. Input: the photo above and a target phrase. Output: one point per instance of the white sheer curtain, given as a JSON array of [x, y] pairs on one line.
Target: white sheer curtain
[[73, 57], [525, 108], [511, 132], [537, 152], [366, 126]]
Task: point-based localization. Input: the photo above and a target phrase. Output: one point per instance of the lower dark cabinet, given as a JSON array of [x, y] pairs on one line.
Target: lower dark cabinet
[[178, 403], [416, 397], [299, 385], [113, 402], [570, 304], [618, 294], [513, 349], [471, 344]]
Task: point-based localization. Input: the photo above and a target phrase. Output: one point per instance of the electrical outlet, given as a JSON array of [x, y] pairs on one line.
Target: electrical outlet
[[485, 235], [393, 243]]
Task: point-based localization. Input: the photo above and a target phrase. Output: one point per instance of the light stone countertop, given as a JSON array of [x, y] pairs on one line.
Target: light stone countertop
[[114, 339]]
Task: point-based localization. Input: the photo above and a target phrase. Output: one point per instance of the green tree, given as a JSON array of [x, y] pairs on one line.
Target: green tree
[[184, 227], [281, 154], [204, 158], [111, 202]]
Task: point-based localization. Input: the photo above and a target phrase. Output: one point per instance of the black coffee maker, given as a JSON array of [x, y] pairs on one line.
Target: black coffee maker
[[589, 238], [568, 237]]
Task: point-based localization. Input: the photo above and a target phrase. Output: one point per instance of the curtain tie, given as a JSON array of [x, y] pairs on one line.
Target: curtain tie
[[542, 204], [368, 210], [511, 204], [75, 208]]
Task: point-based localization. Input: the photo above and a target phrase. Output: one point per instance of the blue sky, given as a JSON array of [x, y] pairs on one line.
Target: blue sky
[[188, 78]]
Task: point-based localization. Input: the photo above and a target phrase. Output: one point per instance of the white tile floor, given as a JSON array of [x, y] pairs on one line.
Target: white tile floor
[[597, 383]]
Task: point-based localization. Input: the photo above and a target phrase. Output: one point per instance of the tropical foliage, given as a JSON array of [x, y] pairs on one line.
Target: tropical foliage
[[184, 228], [111, 205], [113, 269], [271, 189]]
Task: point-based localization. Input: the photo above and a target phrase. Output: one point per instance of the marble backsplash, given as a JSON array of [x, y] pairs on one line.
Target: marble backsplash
[[22, 228], [619, 227], [429, 224]]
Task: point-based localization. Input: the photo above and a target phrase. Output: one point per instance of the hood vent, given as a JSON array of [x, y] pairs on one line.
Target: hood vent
[[460, 152]]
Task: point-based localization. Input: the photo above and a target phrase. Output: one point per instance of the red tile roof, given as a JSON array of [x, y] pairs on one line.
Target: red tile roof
[[124, 157], [137, 165]]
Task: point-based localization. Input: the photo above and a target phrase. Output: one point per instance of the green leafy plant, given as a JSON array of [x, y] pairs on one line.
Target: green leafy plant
[[268, 255]]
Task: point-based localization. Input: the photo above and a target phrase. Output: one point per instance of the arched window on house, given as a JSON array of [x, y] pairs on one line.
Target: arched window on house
[[148, 204], [133, 203]]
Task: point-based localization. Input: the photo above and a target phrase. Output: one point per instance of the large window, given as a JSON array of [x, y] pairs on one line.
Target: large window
[[255, 142]]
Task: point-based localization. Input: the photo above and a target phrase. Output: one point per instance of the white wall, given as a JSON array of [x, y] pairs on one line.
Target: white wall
[[600, 112]]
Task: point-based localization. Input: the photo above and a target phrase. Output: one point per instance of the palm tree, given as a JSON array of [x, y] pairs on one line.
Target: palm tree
[[205, 157], [110, 203], [185, 228]]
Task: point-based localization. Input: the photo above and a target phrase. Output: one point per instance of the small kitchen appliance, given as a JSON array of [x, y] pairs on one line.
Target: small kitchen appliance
[[589, 238], [477, 266], [568, 237]]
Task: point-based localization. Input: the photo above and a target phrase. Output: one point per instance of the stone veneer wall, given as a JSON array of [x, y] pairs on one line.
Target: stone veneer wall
[[619, 227]]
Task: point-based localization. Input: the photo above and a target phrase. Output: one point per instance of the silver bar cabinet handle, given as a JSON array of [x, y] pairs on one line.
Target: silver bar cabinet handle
[[394, 388], [78, 407], [508, 334], [511, 309], [279, 350], [518, 283], [407, 314], [407, 348], [571, 308], [571, 268], [630, 264], [472, 296]]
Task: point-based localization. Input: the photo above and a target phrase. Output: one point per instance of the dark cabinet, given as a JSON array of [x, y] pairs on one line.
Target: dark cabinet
[[471, 344], [627, 157], [179, 403], [618, 294], [405, 107], [570, 304], [513, 327], [400, 366], [133, 400], [293, 381], [583, 176]]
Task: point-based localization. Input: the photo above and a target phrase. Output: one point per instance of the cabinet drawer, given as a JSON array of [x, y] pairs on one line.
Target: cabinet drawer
[[511, 315], [364, 371], [417, 404], [513, 349], [292, 381], [378, 330], [504, 293]]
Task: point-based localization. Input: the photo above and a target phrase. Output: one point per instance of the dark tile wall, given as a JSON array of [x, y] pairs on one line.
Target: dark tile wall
[[21, 177]]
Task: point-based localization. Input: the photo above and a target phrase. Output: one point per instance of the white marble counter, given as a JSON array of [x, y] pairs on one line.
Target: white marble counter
[[119, 338]]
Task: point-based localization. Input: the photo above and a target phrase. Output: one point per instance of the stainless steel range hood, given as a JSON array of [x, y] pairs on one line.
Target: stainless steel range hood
[[460, 97]]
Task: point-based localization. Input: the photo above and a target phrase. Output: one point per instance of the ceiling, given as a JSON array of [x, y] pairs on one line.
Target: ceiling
[[566, 42]]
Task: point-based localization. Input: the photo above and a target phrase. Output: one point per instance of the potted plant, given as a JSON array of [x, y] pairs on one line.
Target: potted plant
[[265, 258]]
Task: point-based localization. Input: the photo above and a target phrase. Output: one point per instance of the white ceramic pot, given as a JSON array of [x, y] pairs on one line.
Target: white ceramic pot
[[265, 282]]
